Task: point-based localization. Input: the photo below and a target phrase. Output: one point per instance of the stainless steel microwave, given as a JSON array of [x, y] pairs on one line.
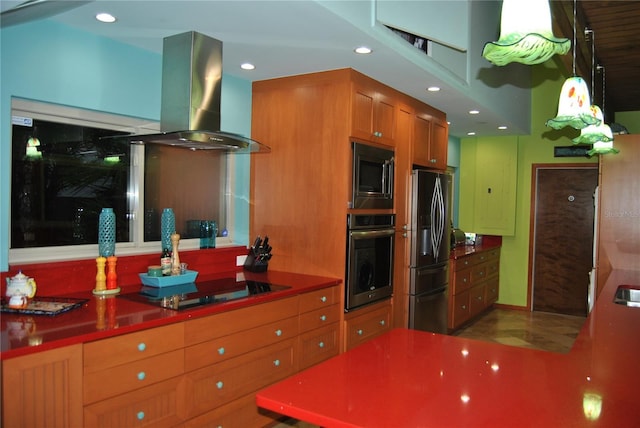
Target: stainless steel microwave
[[372, 177]]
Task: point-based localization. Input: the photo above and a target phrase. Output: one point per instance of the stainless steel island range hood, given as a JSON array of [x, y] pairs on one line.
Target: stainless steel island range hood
[[191, 89]]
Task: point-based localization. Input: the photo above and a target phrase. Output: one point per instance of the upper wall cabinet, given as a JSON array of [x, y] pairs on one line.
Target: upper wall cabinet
[[430, 139], [374, 111]]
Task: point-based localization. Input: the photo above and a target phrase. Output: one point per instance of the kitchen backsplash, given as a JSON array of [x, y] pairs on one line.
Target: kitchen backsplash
[[58, 278]]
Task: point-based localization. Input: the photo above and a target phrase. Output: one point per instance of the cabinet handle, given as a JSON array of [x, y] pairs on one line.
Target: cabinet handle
[[323, 299], [323, 317], [142, 346], [382, 322], [464, 279], [221, 350], [141, 375], [479, 298], [276, 363], [464, 306], [359, 332], [278, 332], [219, 384], [433, 161], [321, 344], [140, 416]]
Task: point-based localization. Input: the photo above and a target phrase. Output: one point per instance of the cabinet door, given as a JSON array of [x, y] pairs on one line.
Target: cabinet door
[[43, 389], [318, 345], [439, 144], [421, 140], [459, 309], [488, 186], [373, 114]]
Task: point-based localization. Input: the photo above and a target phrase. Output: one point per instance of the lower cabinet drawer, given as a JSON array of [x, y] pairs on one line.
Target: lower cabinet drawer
[[128, 377], [319, 318], [157, 405], [367, 326], [240, 413], [318, 345], [224, 348], [218, 384]]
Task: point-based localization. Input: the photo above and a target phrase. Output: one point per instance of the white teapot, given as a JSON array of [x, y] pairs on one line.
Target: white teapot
[[20, 288]]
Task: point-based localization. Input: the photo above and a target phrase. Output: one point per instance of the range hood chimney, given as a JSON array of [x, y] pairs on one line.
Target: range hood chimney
[[191, 89]]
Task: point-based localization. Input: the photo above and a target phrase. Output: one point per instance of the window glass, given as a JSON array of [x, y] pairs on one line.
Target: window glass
[[61, 177]]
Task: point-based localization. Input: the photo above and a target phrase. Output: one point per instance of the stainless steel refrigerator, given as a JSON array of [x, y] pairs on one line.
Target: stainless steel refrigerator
[[430, 241]]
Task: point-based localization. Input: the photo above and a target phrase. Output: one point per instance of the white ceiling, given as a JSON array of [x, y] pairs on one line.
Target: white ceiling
[[286, 38]]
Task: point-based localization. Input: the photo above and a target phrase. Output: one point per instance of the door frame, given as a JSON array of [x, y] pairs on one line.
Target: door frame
[[532, 214]]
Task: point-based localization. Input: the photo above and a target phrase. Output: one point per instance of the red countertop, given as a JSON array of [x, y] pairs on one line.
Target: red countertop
[[105, 317], [409, 378]]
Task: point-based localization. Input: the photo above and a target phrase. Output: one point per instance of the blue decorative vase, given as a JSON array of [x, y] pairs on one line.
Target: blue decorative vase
[[107, 233], [167, 227]]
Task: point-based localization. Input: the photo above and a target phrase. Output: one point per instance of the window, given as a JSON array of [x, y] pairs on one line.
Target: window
[[63, 174]]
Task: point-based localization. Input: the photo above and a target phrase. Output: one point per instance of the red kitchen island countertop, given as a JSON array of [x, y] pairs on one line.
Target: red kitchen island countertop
[[101, 317], [409, 378]]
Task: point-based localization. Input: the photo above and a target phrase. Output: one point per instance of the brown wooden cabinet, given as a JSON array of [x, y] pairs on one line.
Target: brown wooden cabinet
[[43, 389], [319, 337], [373, 111], [430, 138], [132, 378], [474, 285], [197, 373]]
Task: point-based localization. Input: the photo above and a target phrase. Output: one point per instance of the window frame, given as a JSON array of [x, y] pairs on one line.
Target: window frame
[[84, 117]]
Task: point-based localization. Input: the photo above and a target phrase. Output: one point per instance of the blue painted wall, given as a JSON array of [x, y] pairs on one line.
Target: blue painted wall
[[49, 62]]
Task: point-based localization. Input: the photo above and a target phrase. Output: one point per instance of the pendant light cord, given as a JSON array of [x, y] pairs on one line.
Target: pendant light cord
[[593, 62], [574, 36]]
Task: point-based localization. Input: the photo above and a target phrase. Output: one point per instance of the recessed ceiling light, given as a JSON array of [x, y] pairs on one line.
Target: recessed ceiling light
[[474, 111], [105, 17], [502, 127], [362, 50], [247, 66], [433, 88], [471, 133]]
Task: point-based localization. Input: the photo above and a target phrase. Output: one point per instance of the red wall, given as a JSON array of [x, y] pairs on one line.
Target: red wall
[[59, 278]]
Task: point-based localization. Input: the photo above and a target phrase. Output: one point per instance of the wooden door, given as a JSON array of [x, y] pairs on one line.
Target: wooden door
[[563, 238]]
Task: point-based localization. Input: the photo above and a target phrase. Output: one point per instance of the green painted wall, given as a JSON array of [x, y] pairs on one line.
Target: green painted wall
[[532, 149], [630, 120]]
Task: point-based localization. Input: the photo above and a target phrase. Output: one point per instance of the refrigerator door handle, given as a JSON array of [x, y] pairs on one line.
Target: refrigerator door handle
[[437, 218]]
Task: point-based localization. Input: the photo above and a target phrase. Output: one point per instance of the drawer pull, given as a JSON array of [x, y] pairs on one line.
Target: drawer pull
[[360, 332], [221, 350], [382, 322], [278, 332], [464, 279], [479, 297], [140, 416], [276, 363], [141, 375], [323, 317], [219, 384], [141, 347], [464, 306], [321, 344], [323, 299]]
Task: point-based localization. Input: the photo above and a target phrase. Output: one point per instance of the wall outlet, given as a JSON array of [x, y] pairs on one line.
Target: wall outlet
[[240, 260]]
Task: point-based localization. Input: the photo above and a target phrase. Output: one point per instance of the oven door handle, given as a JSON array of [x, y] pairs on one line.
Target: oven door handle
[[362, 234]]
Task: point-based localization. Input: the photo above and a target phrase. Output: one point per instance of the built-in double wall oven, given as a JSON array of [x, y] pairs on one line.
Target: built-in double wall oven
[[369, 275]]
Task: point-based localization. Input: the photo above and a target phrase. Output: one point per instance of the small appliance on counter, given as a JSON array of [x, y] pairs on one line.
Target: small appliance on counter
[[458, 238]]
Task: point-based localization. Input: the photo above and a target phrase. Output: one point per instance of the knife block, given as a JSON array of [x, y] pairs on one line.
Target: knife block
[[255, 264]]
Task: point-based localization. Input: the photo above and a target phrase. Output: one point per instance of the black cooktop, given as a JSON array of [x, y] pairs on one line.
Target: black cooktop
[[192, 295]]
